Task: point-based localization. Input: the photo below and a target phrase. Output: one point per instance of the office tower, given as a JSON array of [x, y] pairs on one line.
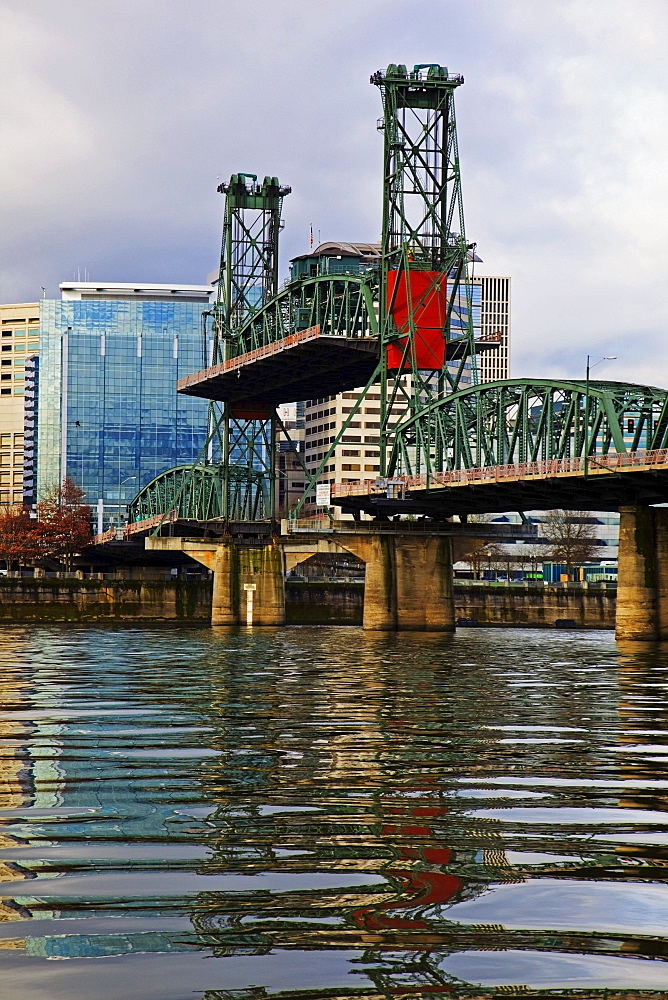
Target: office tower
[[108, 414], [19, 340], [494, 364]]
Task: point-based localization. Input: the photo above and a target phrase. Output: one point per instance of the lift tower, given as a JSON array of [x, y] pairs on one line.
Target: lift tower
[[248, 279], [425, 308]]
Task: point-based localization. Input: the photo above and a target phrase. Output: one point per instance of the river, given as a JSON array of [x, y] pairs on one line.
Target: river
[[199, 814]]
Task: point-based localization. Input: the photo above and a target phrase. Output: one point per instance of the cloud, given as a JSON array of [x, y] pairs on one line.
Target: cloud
[[118, 120]]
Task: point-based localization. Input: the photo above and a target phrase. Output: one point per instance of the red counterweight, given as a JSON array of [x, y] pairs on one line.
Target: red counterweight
[[422, 295]]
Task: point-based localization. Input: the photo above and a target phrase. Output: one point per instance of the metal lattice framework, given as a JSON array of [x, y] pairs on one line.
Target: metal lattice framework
[[200, 493], [424, 252], [240, 486], [340, 305], [249, 254], [528, 421]]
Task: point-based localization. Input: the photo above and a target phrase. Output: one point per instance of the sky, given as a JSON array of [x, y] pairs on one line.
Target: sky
[[119, 119]]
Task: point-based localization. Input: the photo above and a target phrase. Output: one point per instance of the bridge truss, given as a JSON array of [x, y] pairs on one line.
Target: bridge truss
[[205, 492], [527, 420]]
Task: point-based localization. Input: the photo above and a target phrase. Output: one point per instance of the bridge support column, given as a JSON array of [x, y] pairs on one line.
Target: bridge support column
[[642, 588], [408, 584], [248, 585]]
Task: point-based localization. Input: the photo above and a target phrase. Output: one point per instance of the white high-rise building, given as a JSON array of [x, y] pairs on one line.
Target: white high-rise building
[[494, 364]]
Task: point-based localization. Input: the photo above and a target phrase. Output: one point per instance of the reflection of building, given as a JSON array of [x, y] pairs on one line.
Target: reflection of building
[[108, 414], [19, 341]]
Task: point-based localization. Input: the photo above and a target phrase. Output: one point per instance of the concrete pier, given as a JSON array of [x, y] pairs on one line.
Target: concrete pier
[[408, 578], [642, 589], [408, 583], [248, 580]]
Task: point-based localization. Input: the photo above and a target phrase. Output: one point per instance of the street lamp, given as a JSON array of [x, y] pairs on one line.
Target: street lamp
[[608, 357], [128, 480]]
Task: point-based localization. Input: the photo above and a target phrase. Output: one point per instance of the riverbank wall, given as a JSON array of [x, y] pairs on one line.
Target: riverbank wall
[[57, 600], [316, 602]]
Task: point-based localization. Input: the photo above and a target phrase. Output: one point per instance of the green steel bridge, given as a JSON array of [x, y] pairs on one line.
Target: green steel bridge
[[403, 323]]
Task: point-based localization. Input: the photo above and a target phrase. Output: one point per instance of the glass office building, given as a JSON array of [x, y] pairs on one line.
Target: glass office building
[[108, 414]]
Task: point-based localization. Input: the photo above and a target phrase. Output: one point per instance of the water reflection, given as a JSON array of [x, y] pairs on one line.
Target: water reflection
[[330, 813]]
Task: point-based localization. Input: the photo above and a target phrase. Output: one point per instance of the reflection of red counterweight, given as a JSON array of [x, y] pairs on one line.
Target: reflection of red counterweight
[[421, 886], [417, 299]]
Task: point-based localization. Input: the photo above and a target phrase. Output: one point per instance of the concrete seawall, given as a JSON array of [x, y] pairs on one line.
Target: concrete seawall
[[518, 605], [307, 603], [536, 606], [48, 600]]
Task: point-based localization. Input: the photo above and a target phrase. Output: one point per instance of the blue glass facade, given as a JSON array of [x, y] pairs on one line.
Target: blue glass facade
[[108, 412]]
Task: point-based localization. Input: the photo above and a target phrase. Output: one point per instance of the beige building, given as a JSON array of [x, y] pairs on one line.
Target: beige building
[[357, 456], [19, 339]]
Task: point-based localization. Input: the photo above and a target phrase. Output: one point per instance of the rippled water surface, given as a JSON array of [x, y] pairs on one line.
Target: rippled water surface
[[328, 813]]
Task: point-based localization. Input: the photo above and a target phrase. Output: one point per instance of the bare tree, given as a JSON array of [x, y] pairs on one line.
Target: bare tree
[[571, 537], [477, 552]]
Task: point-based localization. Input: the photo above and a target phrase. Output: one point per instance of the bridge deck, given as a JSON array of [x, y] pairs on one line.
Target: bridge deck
[[304, 365], [611, 481]]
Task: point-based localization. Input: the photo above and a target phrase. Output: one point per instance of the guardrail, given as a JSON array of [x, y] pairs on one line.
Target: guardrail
[[419, 526], [134, 527], [596, 465], [115, 534]]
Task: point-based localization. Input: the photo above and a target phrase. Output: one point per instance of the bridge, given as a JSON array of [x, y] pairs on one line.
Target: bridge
[[401, 323]]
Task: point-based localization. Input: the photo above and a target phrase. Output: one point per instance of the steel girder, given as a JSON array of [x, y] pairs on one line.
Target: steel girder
[[530, 420], [198, 493]]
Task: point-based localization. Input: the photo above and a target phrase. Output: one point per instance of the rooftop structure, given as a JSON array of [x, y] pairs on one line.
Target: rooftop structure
[[76, 291]]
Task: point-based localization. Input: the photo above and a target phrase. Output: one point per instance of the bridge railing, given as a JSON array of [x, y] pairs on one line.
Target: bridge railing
[[495, 473], [134, 527], [311, 333], [323, 525]]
